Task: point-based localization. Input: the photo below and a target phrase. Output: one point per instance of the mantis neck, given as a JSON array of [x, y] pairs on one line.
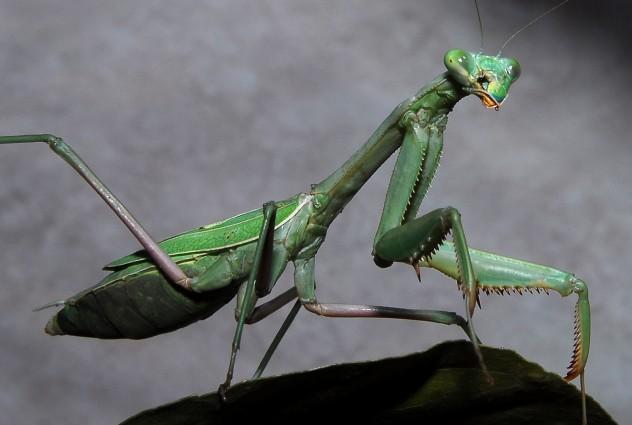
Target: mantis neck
[[433, 101]]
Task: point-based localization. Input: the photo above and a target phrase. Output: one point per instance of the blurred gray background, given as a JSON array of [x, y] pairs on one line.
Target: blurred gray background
[[193, 111]]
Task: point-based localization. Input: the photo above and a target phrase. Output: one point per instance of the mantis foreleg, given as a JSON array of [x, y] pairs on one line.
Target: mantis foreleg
[[499, 274], [403, 238]]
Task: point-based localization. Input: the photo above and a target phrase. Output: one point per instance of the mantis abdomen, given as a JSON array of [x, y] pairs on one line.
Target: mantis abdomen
[[137, 308]]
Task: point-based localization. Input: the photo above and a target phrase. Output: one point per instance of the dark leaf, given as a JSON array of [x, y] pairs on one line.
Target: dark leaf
[[443, 385]]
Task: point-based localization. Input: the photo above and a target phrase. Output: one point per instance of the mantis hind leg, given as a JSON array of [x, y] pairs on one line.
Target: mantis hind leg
[[264, 310], [277, 339], [261, 312], [64, 151]]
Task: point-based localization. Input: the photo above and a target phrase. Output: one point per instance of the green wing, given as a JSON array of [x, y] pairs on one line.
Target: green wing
[[234, 231]]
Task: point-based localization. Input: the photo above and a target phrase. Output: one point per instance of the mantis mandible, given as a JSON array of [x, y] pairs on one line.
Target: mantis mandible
[[189, 276]]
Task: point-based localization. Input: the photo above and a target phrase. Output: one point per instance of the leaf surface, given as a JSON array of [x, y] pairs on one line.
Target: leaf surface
[[443, 385]]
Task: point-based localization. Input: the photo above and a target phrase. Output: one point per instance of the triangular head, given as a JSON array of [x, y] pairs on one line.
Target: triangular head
[[488, 77]]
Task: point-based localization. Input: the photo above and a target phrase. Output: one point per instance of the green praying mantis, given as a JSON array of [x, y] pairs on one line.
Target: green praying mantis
[[187, 277]]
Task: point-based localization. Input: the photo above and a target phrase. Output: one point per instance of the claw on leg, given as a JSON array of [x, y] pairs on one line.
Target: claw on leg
[[417, 270], [221, 392]]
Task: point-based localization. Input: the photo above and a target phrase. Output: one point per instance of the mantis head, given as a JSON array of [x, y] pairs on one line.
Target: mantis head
[[488, 77]]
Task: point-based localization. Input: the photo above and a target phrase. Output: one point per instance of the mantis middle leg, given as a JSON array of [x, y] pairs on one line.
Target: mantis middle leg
[[306, 287], [257, 276], [267, 266]]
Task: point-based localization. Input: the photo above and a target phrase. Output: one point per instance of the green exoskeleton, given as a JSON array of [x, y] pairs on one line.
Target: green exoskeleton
[[187, 277]]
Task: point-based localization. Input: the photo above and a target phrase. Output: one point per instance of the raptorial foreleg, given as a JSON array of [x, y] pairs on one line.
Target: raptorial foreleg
[[499, 275], [420, 238], [401, 236]]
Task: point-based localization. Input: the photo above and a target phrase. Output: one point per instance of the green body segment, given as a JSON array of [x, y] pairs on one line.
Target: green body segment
[[235, 231], [143, 306], [137, 301]]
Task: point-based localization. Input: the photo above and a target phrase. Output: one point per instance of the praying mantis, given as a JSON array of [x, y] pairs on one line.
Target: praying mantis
[[300, 223], [189, 276]]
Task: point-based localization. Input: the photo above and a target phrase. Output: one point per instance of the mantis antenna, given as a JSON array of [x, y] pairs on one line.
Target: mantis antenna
[[480, 25], [533, 21]]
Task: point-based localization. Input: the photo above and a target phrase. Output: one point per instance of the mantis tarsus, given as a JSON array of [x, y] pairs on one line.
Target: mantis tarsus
[[189, 276]]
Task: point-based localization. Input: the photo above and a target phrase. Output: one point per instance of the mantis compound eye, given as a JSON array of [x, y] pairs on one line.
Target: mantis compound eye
[[505, 72], [461, 65], [513, 69]]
